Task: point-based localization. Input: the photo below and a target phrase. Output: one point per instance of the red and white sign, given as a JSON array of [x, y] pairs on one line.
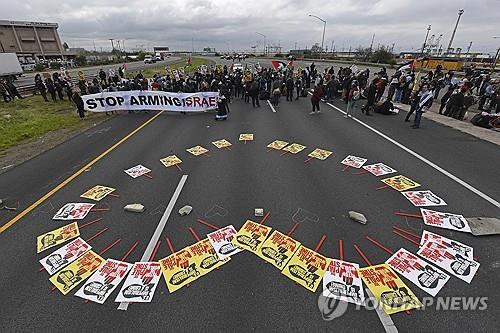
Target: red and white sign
[[354, 161], [102, 283], [140, 285], [379, 169], [461, 248], [64, 255], [423, 198], [73, 211], [450, 260], [221, 241], [424, 275], [342, 281], [137, 171], [445, 220]]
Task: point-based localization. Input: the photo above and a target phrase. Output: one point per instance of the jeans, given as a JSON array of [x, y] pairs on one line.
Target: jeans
[[350, 107], [399, 95], [418, 117]]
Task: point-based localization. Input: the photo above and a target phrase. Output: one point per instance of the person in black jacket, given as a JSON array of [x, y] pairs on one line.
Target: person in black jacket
[[455, 104], [445, 98], [289, 89], [370, 97], [50, 87], [254, 93], [77, 99]]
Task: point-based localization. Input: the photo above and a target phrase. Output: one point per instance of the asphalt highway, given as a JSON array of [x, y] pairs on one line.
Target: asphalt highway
[[246, 294]]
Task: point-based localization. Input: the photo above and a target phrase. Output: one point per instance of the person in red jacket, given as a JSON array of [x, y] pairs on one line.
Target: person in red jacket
[[315, 98]]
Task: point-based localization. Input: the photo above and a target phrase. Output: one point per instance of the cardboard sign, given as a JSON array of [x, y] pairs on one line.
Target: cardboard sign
[[141, 283], [277, 144], [307, 268], [425, 276], [400, 183], [379, 169], [320, 154], [97, 193], [222, 143], [104, 281], [461, 248], [445, 256], [246, 137], [221, 242], [137, 171], [71, 276], [388, 289], [57, 236], [251, 236], [294, 148], [64, 255], [423, 198], [354, 161], [205, 257], [342, 282], [170, 161], [197, 150], [445, 220], [73, 211], [278, 249]]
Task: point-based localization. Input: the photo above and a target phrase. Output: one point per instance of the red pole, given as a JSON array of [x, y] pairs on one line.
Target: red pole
[[382, 187], [345, 168], [377, 243], [320, 243], [341, 250], [155, 251], [213, 226], [100, 209], [110, 246], [265, 217], [148, 175], [292, 230], [365, 258], [125, 256], [89, 223], [417, 216], [195, 235], [407, 238], [407, 232], [171, 248], [97, 235]]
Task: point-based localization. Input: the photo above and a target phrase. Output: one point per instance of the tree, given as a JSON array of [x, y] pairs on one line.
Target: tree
[[81, 60], [316, 48], [382, 55], [65, 46], [141, 55]]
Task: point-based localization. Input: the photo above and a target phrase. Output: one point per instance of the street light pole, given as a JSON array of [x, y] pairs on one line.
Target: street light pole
[[496, 57], [324, 29], [264, 49], [460, 12], [425, 41]]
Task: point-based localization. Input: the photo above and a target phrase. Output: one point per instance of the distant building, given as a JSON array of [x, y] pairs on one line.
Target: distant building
[[32, 41]]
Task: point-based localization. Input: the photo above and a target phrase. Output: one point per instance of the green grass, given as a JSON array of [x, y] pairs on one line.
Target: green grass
[[29, 118], [161, 69]]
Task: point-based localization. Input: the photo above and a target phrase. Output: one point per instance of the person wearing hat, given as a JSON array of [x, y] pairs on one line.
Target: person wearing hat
[[352, 98], [222, 108]]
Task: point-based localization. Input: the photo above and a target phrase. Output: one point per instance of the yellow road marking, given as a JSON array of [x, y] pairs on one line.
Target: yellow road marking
[[73, 176]]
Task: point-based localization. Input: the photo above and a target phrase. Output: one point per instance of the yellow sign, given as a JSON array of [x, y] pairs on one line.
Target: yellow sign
[[400, 183], [277, 144], [388, 289], [247, 75], [251, 236], [170, 161], [80, 269], [221, 143], [294, 148], [278, 249], [97, 192], [307, 268], [81, 75], [57, 236], [197, 150], [190, 263], [246, 137], [219, 69], [320, 154]]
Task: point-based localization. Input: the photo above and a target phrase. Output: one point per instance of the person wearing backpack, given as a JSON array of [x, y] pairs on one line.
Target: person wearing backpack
[[352, 98]]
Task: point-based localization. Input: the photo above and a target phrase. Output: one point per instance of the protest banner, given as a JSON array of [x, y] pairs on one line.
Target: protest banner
[[388, 288], [150, 100], [64, 255], [251, 236], [354, 161], [223, 143], [179, 269], [221, 241], [246, 137], [320, 154], [140, 284], [197, 150], [379, 169], [294, 148], [137, 171], [57, 236], [341, 281], [446, 257], [71, 276], [445, 220], [400, 183], [423, 198], [97, 193], [278, 249], [277, 144], [306, 267], [73, 211], [104, 281], [461, 248], [170, 161], [425, 276]]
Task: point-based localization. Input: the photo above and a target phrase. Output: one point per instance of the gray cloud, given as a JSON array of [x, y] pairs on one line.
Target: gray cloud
[[229, 24]]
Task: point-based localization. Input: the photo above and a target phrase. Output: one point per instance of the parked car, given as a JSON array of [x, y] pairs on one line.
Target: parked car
[[149, 59]]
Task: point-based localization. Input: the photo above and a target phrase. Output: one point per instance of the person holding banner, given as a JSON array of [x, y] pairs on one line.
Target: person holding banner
[[424, 102]]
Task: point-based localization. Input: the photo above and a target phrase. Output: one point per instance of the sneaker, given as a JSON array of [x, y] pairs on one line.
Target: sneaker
[[318, 112], [312, 113], [346, 116]]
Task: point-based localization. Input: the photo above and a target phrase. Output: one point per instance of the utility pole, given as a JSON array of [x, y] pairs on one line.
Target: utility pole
[[496, 57], [371, 45], [93, 42], [264, 49], [460, 12], [295, 47], [468, 48], [331, 48], [324, 29], [425, 41]]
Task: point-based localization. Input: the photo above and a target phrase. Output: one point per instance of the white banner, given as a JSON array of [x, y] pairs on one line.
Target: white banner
[[150, 100], [342, 281]]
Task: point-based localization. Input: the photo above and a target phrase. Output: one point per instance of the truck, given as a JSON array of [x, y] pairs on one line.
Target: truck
[[9, 65]]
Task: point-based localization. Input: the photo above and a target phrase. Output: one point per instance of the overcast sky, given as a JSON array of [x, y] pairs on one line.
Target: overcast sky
[[232, 25]]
